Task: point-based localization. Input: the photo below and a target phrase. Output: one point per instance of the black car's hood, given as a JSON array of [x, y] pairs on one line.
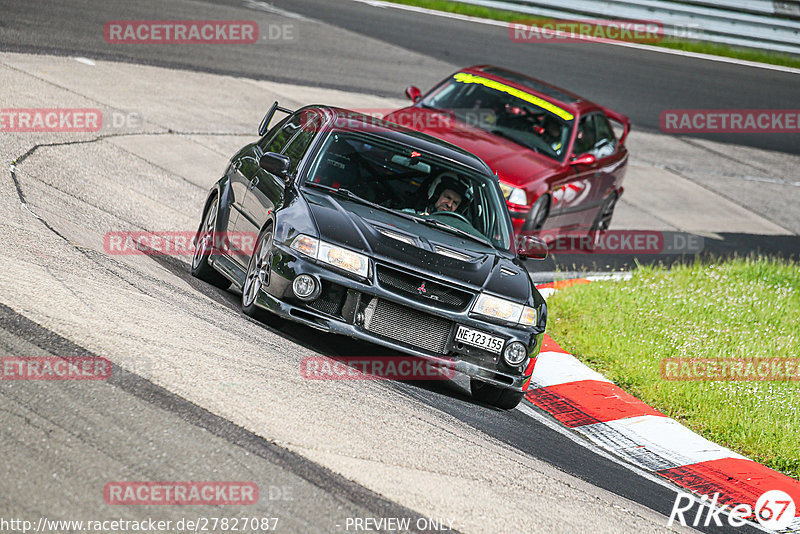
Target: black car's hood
[[363, 228]]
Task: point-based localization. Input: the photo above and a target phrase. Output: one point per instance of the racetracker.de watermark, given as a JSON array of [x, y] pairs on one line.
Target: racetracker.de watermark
[[178, 243], [730, 121], [372, 368], [731, 369], [71, 120], [131, 32], [619, 242], [50, 120], [592, 30], [54, 368], [180, 493], [437, 120]]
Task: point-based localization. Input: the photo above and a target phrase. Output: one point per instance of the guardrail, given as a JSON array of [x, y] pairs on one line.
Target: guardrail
[[761, 24]]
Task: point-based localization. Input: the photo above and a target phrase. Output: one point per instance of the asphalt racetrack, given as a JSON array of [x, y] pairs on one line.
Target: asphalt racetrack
[[200, 392]]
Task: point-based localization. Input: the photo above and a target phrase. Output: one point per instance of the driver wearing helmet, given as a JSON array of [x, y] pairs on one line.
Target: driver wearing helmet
[[551, 134], [447, 193]]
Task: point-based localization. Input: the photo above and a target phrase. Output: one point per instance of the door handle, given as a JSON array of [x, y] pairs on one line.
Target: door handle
[[253, 183]]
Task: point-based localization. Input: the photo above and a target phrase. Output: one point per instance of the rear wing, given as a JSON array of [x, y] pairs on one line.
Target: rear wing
[[264, 126]]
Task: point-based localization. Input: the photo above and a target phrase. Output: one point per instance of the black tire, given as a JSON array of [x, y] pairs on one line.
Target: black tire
[[538, 214], [204, 241], [603, 220], [257, 274], [499, 397]]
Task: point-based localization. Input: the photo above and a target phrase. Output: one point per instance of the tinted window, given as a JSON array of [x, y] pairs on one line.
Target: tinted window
[[584, 142], [298, 146], [283, 136]]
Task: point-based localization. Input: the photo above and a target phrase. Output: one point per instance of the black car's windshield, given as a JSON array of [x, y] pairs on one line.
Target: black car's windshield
[[524, 118], [413, 184]]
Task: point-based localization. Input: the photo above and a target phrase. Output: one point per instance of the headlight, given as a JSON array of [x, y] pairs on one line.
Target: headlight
[[529, 316], [505, 309], [498, 308], [306, 245], [514, 194], [331, 254], [343, 258]]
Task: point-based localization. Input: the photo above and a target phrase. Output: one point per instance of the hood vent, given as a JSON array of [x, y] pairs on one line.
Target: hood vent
[[397, 236], [450, 253], [410, 240]]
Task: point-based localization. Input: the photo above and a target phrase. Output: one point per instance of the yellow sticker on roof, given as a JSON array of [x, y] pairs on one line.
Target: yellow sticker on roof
[[465, 77]]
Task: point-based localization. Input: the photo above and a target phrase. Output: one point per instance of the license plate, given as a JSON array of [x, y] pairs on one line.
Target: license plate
[[476, 338]]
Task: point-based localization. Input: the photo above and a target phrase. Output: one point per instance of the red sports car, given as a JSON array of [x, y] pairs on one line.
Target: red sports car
[[559, 160]]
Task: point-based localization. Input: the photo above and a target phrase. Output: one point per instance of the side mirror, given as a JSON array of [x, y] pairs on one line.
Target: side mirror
[[413, 93], [584, 159], [276, 164], [532, 247]]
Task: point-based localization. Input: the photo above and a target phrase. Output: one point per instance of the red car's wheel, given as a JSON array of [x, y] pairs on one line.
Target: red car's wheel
[[603, 220], [538, 214]]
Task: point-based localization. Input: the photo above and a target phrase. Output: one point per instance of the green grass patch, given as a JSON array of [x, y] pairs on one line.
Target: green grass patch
[[741, 308], [748, 54]]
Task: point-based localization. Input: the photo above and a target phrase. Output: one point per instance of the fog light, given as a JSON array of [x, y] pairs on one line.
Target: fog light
[[515, 353], [305, 287]]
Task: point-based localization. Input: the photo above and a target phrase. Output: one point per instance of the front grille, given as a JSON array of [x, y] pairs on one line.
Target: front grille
[[329, 300], [422, 289], [407, 325]]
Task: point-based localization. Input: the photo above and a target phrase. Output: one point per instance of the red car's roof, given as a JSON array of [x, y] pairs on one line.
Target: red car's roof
[[566, 100]]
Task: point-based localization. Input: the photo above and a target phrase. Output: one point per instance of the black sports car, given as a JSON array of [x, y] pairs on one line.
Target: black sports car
[[378, 232]]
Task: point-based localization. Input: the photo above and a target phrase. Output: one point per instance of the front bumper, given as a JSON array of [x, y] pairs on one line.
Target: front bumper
[[354, 307]]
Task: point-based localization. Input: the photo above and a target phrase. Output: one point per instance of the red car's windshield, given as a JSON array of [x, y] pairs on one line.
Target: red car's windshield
[[505, 111]]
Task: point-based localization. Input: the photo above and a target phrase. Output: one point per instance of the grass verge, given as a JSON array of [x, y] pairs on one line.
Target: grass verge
[[748, 54], [742, 308]]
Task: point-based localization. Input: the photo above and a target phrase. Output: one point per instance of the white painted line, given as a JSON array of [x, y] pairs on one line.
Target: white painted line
[[655, 442], [576, 438], [635, 469], [269, 8], [546, 292], [553, 368], [85, 61], [638, 46], [627, 275]]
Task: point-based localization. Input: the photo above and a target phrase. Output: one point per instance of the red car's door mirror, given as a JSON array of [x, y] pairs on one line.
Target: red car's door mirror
[[532, 247], [583, 159], [413, 93]]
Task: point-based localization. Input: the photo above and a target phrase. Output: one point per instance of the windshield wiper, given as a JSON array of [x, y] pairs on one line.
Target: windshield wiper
[[349, 195], [453, 229]]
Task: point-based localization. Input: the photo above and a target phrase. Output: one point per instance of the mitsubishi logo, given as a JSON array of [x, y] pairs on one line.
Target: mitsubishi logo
[[421, 289]]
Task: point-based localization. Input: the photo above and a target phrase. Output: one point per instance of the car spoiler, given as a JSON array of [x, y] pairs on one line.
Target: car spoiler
[[621, 119], [262, 128]]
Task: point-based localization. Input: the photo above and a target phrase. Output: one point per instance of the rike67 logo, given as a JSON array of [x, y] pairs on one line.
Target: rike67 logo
[[774, 510]]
